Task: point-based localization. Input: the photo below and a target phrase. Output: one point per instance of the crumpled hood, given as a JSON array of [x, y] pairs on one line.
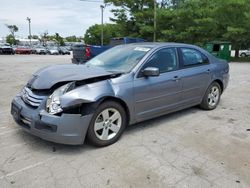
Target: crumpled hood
[[46, 77]]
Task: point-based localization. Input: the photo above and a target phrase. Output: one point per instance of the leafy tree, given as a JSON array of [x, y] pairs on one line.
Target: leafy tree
[[13, 29], [189, 21], [233, 23], [93, 34], [72, 39], [11, 38], [58, 39], [44, 37], [135, 18]]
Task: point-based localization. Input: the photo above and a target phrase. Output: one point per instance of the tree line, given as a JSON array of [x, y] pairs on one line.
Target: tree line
[[43, 38], [187, 21]]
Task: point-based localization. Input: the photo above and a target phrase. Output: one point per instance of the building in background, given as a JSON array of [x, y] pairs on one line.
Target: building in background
[[26, 42]]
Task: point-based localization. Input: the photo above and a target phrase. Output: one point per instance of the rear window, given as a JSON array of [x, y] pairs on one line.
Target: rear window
[[191, 57]]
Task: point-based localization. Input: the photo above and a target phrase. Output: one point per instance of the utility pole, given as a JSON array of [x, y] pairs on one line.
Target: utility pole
[[29, 20], [102, 8], [154, 20]]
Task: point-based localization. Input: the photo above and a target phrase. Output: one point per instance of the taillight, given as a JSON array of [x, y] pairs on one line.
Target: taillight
[[87, 52]]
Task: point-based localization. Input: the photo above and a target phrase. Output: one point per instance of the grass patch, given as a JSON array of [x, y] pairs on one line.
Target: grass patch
[[240, 59]]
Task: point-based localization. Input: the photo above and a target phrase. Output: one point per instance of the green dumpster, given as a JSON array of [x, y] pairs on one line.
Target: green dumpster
[[219, 49]]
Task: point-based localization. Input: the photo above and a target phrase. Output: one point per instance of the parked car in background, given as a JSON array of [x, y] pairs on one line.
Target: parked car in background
[[33, 49], [124, 85], [245, 53], [40, 50], [23, 50], [83, 53], [69, 48], [63, 51], [53, 50], [14, 47], [6, 49]]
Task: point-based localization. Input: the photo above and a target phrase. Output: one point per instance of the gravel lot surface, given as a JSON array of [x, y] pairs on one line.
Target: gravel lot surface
[[191, 148]]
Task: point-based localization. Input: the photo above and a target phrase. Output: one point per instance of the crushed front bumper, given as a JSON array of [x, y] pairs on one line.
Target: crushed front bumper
[[65, 129]]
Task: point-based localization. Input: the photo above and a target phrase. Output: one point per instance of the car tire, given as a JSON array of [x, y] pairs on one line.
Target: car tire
[[212, 97], [105, 129], [243, 55]]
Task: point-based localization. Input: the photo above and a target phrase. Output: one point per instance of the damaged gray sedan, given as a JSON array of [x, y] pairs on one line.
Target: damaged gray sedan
[[122, 86]]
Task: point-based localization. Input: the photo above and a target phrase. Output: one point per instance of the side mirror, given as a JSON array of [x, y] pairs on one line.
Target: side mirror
[[151, 71]]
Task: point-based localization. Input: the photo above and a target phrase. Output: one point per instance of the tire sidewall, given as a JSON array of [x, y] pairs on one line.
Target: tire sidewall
[[243, 55], [205, 104], [91, 136]]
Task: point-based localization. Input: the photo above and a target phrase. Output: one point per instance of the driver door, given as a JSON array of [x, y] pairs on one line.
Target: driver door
[[159, 94]]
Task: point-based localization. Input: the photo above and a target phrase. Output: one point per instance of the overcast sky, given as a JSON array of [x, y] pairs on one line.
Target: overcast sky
[[67, 17]]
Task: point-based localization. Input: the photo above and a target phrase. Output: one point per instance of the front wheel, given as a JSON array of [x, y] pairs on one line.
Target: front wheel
[[212, 97], [107, 124]]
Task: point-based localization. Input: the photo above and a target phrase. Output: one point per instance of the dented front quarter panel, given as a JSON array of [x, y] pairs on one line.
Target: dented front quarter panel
[[87, 93], [120, 88]]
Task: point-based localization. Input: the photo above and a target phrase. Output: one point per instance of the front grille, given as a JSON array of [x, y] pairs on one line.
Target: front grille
[[30, 98]]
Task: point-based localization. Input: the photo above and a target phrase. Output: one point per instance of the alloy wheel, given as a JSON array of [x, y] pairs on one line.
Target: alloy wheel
[[107, 124], [213, 96]]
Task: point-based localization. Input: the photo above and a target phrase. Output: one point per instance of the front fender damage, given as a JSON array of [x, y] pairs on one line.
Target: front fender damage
[[88, 93]]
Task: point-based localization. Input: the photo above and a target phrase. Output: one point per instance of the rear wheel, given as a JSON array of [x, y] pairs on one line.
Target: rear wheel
[[243, 55], [107, 124], [212, 97]]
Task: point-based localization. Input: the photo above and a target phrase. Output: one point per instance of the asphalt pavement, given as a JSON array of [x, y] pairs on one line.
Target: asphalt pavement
[[190, 148]]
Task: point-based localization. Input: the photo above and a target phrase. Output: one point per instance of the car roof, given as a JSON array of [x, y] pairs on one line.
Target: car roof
[[155, 45], [161, 44]]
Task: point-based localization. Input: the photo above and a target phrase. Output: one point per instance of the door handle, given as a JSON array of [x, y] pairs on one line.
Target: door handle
[[176, 78], [208, 71]]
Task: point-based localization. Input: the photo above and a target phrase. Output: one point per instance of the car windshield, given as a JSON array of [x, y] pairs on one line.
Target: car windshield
[[120, 58]]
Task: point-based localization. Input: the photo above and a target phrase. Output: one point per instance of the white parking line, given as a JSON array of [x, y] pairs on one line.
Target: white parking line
[[27, 168]]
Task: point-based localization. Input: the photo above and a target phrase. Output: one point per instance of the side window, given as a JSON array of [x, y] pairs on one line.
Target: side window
[[164, 59], [192, 57]]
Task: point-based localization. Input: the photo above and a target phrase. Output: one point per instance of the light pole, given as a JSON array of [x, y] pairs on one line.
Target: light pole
[[29, 20], [102, 8], [154, 20]]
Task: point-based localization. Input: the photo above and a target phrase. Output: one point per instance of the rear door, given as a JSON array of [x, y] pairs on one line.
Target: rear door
[[195, 75]]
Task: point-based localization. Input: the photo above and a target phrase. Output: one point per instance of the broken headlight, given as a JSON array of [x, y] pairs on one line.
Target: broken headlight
[[53, 104]]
